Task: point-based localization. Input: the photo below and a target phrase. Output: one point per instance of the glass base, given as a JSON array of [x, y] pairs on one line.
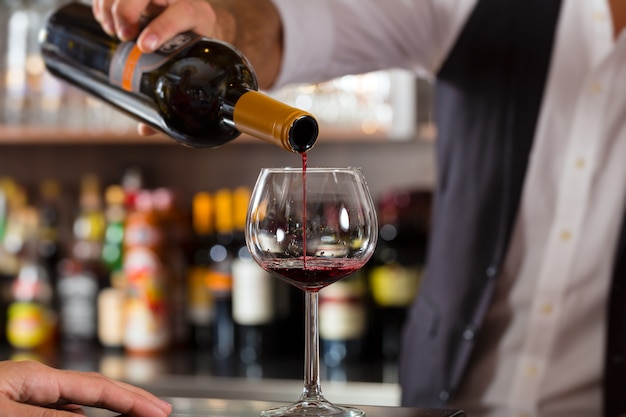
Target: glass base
[[312, 408]]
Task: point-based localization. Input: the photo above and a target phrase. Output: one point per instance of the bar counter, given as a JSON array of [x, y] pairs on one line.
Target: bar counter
[[212, 407], [195, 374], [199, 386]]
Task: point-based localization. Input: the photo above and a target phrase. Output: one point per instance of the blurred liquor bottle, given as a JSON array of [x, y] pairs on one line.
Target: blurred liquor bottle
[[90, 222], [10, 199], [132, 183], [220, 279], [15, 232], [111, 297], [115, 217], [396, 268], [6, 10], [77, 288], [50, 239], [146, 321], [174, 229], [253, 291], [200, 313], [81, 273], [31, 95], [31, 319], [343, 320], [11, 241]]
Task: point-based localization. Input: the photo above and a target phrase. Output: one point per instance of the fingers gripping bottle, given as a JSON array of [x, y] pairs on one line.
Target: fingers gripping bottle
[[202, 92]]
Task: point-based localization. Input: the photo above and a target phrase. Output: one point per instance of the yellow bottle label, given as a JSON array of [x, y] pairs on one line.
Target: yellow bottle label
[[29, 325], [394, 285]]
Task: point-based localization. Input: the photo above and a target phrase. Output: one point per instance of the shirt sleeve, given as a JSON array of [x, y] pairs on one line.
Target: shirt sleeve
[[324, 39]]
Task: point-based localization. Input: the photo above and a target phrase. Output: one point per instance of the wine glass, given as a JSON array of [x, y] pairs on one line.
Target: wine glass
[[311, 227]]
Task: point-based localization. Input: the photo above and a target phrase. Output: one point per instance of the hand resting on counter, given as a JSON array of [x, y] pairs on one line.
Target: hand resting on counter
[[31, 389]]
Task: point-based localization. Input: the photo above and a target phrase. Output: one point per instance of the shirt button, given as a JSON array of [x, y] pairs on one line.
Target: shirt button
[[579, 163], [444, 395], [565, 235], [595, 87], [531, 370], [469, 333], [547, 309], [491, 272]]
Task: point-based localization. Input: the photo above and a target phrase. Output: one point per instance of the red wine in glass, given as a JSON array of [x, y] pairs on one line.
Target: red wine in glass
[[312, 274]]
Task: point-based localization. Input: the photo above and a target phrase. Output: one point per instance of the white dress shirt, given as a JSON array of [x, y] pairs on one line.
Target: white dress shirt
[[541, 349]]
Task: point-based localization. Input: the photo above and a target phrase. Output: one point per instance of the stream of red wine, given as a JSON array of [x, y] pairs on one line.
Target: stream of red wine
[[304, 209]]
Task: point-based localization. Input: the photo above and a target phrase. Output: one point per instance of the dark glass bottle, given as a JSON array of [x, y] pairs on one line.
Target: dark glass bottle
[[220, 278], [253, 292], [200, 91], [199, 300], [395, 270], [49, 245]]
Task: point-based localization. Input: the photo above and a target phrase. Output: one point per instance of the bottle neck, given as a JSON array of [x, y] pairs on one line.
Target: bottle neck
[[263, 117]]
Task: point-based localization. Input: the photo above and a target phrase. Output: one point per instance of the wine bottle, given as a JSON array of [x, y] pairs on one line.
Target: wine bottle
[[253, 290], [110, 301], [220, 278], [395, 271], [49, 247], [146, 323], [202, 92], [31, 319], [342, 320], [173, 226], [199, 299], [90, 223], [77, 288]]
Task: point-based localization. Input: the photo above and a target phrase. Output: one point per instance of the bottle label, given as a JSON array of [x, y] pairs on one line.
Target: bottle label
[[253, 293], [142, 235], [199, 299], [340, 320], [78, 294], [146, 316], [394, 285], [111, 317], [29, 325], [129, 63], [342, 314]]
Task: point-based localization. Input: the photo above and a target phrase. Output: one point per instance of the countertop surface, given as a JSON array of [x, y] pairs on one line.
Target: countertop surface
[[212, 407], [195, 374]]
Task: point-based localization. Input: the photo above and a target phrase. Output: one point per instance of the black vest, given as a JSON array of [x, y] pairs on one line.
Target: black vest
[[488, 96]]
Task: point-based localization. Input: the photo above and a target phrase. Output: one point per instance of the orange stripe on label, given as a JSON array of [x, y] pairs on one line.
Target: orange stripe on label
[[129, 68]]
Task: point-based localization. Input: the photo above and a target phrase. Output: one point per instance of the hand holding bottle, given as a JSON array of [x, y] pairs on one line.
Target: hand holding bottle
[[122, 19], [253, 27], [200, 91]]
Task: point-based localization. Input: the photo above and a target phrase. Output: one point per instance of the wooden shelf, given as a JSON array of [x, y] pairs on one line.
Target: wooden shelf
[[28, 135], [22, 135]]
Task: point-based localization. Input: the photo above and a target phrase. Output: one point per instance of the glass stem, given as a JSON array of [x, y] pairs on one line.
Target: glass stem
[[312, 387]]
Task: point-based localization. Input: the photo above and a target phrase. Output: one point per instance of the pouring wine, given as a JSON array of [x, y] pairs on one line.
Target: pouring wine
[[310, 228]]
